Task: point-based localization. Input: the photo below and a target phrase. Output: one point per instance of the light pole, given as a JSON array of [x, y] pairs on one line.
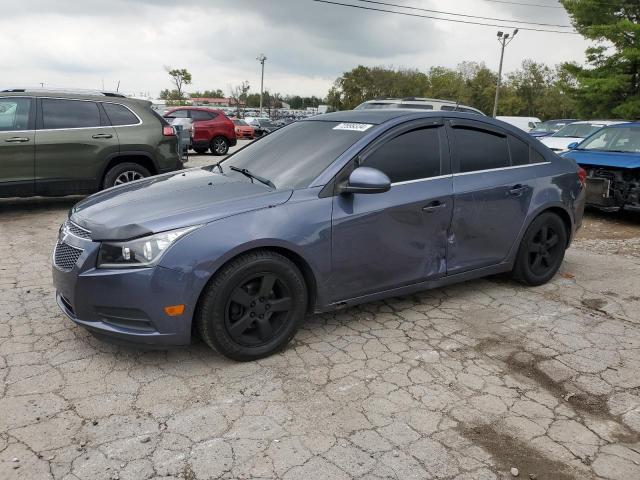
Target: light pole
[[261, 58], [504, 39]]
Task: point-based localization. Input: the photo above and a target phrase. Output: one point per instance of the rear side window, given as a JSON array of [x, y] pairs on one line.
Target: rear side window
[[178, 114], [57, 113], [120, 115], [14, 114], [410, 156], [479, 149], [519, 151], [199, 115]]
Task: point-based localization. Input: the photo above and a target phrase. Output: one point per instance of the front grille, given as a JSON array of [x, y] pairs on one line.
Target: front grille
[[77, 231], [65, 256]]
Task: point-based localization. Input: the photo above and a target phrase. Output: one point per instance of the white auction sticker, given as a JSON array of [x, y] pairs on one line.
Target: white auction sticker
[[355, 127]]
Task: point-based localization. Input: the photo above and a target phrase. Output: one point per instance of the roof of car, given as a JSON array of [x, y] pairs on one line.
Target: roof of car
[[72, 94], [624, 124], [189, 107], [599, 122], [375, 117]]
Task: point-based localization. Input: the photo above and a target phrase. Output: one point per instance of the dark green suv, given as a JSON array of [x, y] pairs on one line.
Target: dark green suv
[[60, 143]]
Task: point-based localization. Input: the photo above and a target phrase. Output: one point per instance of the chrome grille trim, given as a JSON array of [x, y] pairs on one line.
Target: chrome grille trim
[[65, 256], [77, 231]]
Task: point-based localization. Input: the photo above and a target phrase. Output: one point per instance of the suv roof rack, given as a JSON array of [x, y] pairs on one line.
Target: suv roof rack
[[80, 91]]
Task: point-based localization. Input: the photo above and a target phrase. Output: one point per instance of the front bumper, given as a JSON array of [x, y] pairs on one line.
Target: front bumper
[[125, 306]]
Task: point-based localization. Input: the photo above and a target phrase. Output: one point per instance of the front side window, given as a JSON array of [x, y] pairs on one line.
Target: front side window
[[410, 156], [479, 149], [293, 156], [58, 113], [14, 114], [120, 115], [618, 139]]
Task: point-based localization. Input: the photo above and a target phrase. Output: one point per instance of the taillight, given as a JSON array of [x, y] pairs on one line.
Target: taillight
[[168, 131], [582, 176]]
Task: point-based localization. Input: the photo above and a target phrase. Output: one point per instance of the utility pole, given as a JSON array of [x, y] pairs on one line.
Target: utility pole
[[504, 39], [261, 58]]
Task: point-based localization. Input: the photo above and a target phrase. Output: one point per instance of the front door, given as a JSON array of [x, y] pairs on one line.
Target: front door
[[492, 188], [387, 240], [17, 146], [74, 139]]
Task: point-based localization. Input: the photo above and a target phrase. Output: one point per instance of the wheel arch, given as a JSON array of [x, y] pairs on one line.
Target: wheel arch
[[141, 158]]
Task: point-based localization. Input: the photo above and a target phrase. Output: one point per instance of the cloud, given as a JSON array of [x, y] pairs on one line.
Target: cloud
[[68, 43]]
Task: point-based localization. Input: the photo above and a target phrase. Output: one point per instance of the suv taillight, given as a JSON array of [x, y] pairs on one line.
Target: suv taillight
[[168, 131], [582, 176]]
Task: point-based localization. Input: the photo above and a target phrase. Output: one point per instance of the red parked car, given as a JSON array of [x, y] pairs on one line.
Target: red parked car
[[243, 129], [212, 129]]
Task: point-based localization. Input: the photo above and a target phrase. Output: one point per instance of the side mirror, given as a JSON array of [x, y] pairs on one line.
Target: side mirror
[[572, 146], [366, 180]]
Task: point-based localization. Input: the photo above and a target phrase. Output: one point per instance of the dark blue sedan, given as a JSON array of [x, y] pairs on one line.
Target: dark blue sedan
[[611, 158], [325, 213]]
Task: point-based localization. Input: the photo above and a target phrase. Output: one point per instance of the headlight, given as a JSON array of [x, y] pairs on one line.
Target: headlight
[[141, 252]]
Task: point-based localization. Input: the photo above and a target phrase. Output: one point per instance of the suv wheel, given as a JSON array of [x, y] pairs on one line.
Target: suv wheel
[[541, 250], [219, 146], [124, 173], [253, 306]]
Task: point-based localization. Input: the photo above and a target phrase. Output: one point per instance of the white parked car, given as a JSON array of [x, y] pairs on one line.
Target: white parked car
[[575, 132], [417, 103], [523, 123]]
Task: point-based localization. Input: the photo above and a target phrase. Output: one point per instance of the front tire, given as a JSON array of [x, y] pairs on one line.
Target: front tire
[[253, 306], [541, 250], [124, 173], [219, 146]]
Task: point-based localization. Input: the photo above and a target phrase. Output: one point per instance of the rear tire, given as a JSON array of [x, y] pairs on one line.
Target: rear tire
[[219, 146], [124, 173], [541, 250], [253, 306]]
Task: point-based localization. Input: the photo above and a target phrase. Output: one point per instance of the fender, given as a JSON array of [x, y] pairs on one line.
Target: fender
[[124, 153]]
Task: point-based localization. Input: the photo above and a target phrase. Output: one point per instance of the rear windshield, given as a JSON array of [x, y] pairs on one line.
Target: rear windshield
[[293, 156]]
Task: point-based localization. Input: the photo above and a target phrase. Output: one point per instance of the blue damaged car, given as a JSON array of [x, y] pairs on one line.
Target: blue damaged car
[[611, 159], [325, 213]]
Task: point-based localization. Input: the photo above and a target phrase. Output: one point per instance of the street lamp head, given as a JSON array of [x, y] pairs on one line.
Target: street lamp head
[[506, 35], [500, 34], [515, 32], [261, 58]]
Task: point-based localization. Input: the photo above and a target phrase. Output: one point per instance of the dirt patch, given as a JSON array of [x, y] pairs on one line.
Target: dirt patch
[[510, 452], [594, 303], [598, 225]]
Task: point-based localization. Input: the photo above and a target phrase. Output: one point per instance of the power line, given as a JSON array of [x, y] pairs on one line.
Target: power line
[[468, 22], [463, 15]]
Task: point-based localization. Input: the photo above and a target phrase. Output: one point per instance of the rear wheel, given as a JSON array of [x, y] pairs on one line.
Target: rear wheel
[[219, 146], [541, 250], [253, 307], [124, 173]]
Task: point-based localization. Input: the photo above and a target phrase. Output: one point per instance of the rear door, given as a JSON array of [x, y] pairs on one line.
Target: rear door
[[387, 240], [17, 146], [204, 125], [74, 140], [492, 189]]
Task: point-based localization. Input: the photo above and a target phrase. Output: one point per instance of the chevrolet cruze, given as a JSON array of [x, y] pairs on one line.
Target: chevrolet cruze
[[325, 213]]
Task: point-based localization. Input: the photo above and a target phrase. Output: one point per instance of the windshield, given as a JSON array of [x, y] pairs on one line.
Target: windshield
[[548, 127], [293, 156], [241, 123], [266, 123], [578, 130], [618, 139]]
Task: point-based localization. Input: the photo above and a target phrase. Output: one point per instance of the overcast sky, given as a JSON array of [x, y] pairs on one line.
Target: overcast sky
[[80, 43]]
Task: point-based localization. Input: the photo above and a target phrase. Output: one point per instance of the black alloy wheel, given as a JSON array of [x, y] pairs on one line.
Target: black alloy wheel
[[542, 250]]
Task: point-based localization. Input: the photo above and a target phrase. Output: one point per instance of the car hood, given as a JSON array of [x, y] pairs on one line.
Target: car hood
[[169, 201], [604, 159], [559, 143]]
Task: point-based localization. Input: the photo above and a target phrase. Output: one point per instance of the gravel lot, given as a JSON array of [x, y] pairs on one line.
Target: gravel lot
[[466, 382]]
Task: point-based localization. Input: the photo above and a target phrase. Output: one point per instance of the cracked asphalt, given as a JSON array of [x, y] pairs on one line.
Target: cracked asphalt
[[465, 383]]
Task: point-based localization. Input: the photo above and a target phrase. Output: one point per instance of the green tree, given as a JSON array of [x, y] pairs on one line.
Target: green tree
[[180, 78], [207, 94], [611, 86]]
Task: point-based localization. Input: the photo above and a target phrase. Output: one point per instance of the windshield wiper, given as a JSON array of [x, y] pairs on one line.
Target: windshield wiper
[[217, 165], [252, 175]]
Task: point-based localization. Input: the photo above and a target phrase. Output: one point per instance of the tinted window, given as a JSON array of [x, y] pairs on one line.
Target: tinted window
[[69, 114], [293, 156], [415, 106], [410, 156], [178, 114], [14, 114], [199, 115], [519, 151], [120, 115], [535, 157], [480, 150]]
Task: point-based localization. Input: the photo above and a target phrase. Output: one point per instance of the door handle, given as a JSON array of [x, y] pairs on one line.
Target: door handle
[[433, 206], [102, 135], [16, 139], [517, 190]]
